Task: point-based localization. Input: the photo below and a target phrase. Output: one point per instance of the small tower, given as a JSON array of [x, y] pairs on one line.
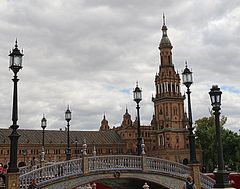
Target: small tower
[[104, 124], [127, 122]]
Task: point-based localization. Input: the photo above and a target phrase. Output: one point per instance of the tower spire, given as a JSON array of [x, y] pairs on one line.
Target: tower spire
[[164, 23], [165, 42]]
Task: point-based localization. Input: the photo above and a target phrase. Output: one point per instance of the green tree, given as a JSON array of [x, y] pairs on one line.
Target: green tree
[[231, 149], [206, 137]]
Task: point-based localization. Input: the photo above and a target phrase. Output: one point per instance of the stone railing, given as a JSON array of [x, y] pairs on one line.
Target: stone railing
[[26, 169], [121, 162], [51, 172], [206, 181], [29, 168], [167, 167], [97, 164]]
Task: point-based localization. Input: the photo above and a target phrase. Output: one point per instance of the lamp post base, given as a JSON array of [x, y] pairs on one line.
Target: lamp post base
[[68, 153], [222, 180], [13, 181]]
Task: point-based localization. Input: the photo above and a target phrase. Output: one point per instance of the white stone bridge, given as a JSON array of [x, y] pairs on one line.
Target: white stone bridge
[[78, 172]]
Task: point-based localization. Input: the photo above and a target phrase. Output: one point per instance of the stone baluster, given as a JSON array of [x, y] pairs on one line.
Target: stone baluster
[[84, 147]]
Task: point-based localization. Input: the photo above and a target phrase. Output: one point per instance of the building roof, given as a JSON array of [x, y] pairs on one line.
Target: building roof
[[60, 137]]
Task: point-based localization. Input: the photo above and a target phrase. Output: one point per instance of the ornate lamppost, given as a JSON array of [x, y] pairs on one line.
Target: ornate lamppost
[[76, 142], [43, 125], [137, 97], [187, 81], [15, 65], [221, 174], [68, 118]]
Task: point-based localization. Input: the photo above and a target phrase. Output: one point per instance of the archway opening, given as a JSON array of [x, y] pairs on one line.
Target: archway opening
[[126, 183]]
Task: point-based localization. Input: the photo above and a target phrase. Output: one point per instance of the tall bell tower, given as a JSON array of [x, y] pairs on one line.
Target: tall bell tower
[[169, 120]]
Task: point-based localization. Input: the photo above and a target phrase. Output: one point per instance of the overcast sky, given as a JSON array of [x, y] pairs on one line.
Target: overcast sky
[[89, 54]]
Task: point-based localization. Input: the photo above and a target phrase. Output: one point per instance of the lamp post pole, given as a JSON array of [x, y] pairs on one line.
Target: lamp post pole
[[221, 175], [15, 65], [187, 81], [137, 97], [24, 155], [43, 125], [68, 118]]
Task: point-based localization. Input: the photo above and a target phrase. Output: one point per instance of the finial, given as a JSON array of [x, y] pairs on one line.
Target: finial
[[137, 83], [104, 115], [16, 45], [126, 109], [143, 146], [43, 115], [186, 63], [84, 147], [164, 19], [94, 151], [68, 107]]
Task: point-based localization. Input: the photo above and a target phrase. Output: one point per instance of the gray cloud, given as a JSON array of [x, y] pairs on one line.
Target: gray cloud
[[89, 54]]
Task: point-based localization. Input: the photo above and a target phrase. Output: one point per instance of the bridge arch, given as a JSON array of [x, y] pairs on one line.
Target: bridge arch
[[162, 180], [73, 173]]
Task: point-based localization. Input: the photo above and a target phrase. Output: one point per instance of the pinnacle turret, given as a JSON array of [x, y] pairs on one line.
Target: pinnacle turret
[[104, 124]]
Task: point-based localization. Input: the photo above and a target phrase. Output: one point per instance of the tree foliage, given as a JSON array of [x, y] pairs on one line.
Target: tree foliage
[[206, 137]]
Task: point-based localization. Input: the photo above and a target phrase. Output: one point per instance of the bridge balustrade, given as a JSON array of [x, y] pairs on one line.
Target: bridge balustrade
[[51, 172], [101, 164], [167, 167], [28, 168], [206, 181], [121, 162]]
